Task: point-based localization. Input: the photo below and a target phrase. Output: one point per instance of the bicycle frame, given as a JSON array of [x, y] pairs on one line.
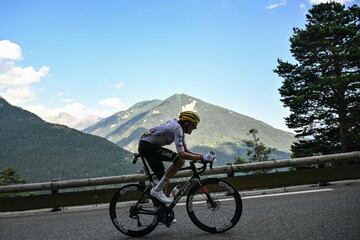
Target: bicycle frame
[[195, 178], [184, 188]]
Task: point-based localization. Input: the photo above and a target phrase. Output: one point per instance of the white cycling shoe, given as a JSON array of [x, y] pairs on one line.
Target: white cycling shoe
[[159, 195]]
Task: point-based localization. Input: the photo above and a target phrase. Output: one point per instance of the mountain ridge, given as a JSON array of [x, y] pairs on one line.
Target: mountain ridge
[[69, 120], [219, 127]]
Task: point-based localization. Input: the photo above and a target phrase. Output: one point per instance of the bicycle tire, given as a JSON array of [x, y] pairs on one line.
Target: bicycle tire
[[123, 203], [220, 216]]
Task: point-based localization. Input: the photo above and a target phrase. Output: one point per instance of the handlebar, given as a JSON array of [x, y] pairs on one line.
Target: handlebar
[[201, 169]]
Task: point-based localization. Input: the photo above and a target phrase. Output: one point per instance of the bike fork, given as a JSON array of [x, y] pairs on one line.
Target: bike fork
[[205, 190]]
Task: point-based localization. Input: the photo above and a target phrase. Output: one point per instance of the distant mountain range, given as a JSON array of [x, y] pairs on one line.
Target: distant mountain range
[[71, 121], [220, 129], [42, 151]]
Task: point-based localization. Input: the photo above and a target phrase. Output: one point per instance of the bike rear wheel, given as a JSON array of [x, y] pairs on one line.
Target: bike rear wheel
[[215, 206], [132, 211]]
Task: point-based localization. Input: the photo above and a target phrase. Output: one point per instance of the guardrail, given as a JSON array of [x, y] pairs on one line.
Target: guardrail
[[243, 182]]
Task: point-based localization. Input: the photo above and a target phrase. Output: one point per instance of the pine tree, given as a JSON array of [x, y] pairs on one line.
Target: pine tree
[[322, 89], [10, 176], [256, 151]]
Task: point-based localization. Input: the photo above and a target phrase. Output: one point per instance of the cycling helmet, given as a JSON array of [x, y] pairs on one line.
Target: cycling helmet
[[189, 116]]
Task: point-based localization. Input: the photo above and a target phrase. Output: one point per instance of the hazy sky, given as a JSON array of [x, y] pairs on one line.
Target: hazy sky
[[100, 57]]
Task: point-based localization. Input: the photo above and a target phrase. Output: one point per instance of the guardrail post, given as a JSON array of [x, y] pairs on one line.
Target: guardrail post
[[55, 190], [319, 166], [231, 173]]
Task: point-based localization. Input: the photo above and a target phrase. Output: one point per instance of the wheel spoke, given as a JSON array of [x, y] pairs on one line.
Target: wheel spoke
[[221, 213], [130, 216]]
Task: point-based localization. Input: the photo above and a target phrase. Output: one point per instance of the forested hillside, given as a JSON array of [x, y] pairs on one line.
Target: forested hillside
[[41, 151]]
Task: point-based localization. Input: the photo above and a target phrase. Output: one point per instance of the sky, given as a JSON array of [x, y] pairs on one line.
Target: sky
[[100, 57]]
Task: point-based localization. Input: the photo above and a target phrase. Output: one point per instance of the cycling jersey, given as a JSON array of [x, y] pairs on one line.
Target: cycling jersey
[[166, 134]]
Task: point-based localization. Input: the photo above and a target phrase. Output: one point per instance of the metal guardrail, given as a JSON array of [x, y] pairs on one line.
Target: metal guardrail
[[55, 200], [228, 169]]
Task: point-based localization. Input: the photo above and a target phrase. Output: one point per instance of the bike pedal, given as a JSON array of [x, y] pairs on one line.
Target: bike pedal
[[169, 224]]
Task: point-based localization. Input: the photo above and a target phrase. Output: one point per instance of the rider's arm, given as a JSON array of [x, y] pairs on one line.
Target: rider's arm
[[190, 156], [181, 148]]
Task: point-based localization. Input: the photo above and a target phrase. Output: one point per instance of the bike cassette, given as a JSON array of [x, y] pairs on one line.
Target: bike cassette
[[165, 215]]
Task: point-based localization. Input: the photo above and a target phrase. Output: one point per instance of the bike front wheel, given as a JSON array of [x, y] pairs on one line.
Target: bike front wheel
[[215, 206], [132, 211]]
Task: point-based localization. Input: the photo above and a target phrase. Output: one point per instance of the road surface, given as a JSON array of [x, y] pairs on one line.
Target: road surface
[[305, 212]]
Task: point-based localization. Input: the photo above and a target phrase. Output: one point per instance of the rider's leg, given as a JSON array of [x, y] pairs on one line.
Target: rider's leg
[[174, 168], [169, 173], [155, 156]]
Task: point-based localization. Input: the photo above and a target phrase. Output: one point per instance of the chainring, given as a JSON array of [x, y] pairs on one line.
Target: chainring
[[165, 215]]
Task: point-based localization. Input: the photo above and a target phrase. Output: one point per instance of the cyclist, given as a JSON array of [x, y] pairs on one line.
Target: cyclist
[[151, 147]]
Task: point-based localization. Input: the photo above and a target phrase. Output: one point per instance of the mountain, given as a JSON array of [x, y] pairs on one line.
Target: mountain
[[42, 151], [72, 122], [86, 122], [220, 129], [109, 124]]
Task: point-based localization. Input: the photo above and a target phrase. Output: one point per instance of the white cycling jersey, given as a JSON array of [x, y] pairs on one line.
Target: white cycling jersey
[[166, 134]]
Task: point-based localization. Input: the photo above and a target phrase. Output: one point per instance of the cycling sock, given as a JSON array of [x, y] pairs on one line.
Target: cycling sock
[[159, 187]]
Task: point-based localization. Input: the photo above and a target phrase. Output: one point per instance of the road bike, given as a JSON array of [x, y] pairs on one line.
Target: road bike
[[213, 204]]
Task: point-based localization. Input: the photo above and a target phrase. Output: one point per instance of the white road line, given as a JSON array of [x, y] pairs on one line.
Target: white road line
[[289, 193], [267, 195]]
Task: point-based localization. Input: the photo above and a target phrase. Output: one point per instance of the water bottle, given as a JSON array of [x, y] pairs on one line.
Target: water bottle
[[175, 191]]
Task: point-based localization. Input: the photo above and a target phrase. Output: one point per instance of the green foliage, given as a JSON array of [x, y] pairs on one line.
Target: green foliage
[[256, 151], [10, 176], [322, 89], [240, 160]]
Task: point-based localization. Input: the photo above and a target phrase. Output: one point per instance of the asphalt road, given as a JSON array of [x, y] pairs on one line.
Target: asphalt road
[[307, 212]]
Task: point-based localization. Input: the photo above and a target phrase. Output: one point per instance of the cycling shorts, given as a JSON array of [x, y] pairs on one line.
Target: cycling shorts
[[155, 155]]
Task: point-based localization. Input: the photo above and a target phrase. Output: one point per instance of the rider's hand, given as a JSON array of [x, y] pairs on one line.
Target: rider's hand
[[209, 157]]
